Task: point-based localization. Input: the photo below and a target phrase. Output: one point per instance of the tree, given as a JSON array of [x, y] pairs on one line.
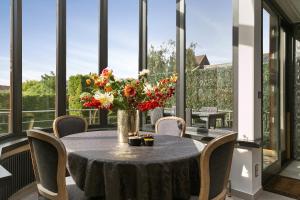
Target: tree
[[162, 60], [46, 86]]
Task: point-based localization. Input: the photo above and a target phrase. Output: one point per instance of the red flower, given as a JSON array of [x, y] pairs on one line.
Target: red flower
[[148, 105], [91, 102]]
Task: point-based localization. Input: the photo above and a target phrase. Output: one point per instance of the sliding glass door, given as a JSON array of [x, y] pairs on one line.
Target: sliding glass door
[[271, 94]]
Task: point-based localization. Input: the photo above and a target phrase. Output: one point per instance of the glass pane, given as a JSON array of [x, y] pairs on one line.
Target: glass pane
[[4, 66], [161, 50], [270, 106], [82, 54], [123, 40], [39, 57], [209, 73]]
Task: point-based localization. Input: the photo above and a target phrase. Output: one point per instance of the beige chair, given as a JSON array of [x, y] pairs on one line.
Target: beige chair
[[49, 160], [170, 126], [67, 125], [215, 166]]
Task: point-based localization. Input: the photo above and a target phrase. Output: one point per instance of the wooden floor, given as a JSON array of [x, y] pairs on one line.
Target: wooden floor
[[30, 193]]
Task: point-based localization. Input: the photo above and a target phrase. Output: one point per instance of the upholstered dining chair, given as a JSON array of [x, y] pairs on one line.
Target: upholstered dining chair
[[215, 166], [170, 126], [68, 124], [49, 160]]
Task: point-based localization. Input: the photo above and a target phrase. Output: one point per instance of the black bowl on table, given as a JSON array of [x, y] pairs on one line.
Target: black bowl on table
[[148, 141], [146, 136], [135, 141]]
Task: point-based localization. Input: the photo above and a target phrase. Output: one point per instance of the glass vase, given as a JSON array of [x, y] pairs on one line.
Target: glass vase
[[128, 124]]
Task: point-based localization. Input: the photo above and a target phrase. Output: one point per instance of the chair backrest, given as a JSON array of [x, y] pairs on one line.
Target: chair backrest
[[215, 165], [49, 159], [170, 126], [209, 109], [67, 125], [156, 114]]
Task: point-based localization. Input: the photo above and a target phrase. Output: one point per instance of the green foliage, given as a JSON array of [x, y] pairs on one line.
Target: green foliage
[[46, 86], [4, 106], [4, 100], [212, 87], [163, 59], [76, 86]]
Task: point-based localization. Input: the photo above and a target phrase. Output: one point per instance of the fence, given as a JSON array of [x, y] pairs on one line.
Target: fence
[[31, 119]]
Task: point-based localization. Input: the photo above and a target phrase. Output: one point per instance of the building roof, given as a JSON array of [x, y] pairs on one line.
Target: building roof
[[201, 60]]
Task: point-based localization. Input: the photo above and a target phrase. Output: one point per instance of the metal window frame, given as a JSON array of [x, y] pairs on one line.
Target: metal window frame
[[143, 44], [235, 62], [143, 34], [16, 67], [60, 83], [103, 50], [180, 58], [61, 49]]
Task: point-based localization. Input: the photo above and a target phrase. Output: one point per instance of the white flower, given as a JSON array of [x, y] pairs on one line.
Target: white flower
[[144, 72], [106, 99], [148, 87]]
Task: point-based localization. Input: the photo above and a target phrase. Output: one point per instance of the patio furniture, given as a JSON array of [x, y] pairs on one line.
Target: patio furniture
[[156, 114], [67, 124], [49, 163], [103, 167], [215, 165], [210, 115], [170, 126]]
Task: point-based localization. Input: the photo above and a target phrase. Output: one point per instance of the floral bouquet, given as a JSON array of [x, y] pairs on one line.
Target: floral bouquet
[[111, 93]]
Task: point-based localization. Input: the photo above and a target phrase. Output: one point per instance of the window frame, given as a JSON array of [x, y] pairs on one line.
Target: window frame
[[60, 82]]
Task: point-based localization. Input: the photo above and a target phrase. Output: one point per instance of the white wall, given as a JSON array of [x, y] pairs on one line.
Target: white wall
[[243, 176], [247, 63]]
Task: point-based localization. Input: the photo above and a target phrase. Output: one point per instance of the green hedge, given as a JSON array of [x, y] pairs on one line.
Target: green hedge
[[205, 87], [76, 85], [212, 87]]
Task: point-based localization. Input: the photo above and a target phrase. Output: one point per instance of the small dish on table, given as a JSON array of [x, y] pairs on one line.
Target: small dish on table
[[147, 139], [135, 141]]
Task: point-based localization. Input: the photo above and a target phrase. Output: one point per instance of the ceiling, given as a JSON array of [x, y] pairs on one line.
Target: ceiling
[[291, 9]]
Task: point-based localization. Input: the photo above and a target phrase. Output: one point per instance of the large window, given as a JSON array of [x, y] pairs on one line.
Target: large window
[[4, 67], [271, 106], [82, 54], [209, 74], [123, 40], [39, 57], [162, 46]]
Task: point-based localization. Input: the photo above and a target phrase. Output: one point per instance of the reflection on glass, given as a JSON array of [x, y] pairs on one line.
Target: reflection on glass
[[209, 74], [82, 54], [39, 57], [123, 41], [270, 90], [4, 66]]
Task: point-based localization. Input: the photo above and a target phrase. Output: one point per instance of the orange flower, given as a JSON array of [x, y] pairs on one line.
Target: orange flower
[[108, 88], [129, 91], [88, 81]]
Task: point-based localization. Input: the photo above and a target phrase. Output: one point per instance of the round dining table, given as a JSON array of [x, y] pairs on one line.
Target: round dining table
[[106, 169]]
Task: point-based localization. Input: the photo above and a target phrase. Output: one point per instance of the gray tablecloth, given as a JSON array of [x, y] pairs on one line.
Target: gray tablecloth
[[102, 167]]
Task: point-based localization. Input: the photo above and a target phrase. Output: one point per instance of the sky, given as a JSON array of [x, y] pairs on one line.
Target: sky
[[208, 22]]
